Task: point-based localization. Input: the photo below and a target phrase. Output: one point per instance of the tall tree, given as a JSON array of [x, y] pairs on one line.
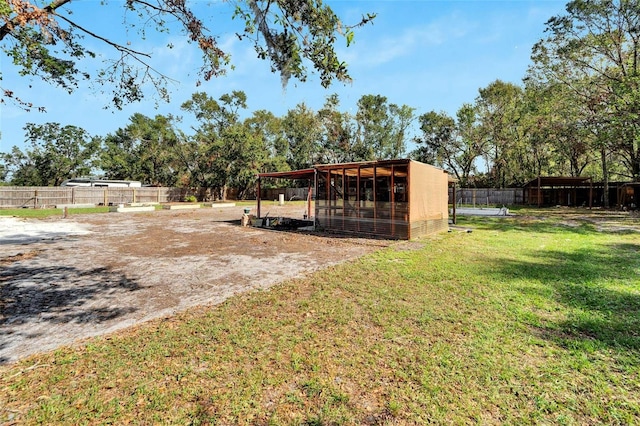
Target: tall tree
[[239, 155], [302, 132], [448, 143], [216, 115], [119, 156], [499, 107], [142, 151], [20, 168], [3, 170], [48, 41], [402, 117], [468, 143], [564, 145], [436, 142], [593, 49], [337, 132], [267, 127], [56, 153], [381, 128], [224, 152]]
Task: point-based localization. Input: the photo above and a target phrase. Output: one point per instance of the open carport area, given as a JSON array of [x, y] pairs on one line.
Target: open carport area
[[63, 280]]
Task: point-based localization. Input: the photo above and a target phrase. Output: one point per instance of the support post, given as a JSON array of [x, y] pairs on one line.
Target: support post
[[539, 192], [392, 197], [258, 199], [309, 195], [454, 203]]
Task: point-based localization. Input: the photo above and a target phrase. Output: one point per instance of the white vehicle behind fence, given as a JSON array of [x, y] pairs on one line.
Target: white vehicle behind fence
[[102, 183]]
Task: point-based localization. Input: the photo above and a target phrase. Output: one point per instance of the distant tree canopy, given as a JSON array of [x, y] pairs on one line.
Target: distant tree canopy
[[55, 153], [591, 55], [221, 151], [141, 151], [44, 39], [578, 112]]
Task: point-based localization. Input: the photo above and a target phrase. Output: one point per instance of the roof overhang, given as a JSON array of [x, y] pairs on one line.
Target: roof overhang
[[292, 174], [362, 168], [547, 181], [630, 184]]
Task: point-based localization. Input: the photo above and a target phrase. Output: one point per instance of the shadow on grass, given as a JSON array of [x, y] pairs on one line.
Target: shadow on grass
[[32, 295], [529, 224], [555, 223], [590, 283]]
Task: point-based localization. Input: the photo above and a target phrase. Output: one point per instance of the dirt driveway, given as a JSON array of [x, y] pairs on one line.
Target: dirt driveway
[[63, 280]]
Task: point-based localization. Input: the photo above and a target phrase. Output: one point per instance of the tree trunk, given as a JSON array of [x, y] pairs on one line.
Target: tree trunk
[[635, 168], [203, 193], [605, 178]]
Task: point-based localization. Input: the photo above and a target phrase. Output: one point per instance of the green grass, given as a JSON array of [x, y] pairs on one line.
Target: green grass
[[522, 321], [41, 213]]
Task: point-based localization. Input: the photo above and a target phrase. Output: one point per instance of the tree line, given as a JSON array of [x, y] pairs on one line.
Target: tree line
[[221, 151], [576, 113]]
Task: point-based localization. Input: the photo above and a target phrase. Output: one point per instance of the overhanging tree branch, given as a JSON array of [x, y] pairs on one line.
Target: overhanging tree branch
[[292, 35]]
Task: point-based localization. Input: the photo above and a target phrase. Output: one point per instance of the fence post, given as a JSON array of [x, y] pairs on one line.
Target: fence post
[[105, 197], [134, 195], [35, 199]]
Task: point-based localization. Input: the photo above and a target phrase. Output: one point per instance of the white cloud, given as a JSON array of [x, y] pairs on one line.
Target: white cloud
[[411, 41]]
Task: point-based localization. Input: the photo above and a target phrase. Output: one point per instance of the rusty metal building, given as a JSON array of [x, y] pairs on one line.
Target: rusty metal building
[[580, 191], [400, 199], [559, 190]]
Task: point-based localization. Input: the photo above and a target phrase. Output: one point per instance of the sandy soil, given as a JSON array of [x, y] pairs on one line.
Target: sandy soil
[[64, 280]]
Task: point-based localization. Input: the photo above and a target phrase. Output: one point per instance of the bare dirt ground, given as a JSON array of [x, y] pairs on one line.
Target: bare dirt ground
[[64, 280]]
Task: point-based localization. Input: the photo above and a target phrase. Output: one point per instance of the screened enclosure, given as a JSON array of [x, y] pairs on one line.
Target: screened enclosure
[[399, 199]]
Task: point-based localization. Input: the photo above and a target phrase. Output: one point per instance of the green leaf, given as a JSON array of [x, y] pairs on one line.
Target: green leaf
[[349, 38]]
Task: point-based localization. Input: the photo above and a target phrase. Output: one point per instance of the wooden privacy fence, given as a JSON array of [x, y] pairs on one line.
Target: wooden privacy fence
[[47, 196], [487, 196], [290, 194]]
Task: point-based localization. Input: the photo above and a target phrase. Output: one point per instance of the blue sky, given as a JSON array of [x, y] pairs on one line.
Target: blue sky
[[429, 55]]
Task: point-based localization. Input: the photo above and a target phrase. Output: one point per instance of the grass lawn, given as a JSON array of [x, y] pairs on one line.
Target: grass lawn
[[522, 321], [42, 213]]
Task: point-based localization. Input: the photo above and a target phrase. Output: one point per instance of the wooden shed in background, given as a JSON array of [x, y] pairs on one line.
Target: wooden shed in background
[[400, 199], [559, 190], [628, 195]]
